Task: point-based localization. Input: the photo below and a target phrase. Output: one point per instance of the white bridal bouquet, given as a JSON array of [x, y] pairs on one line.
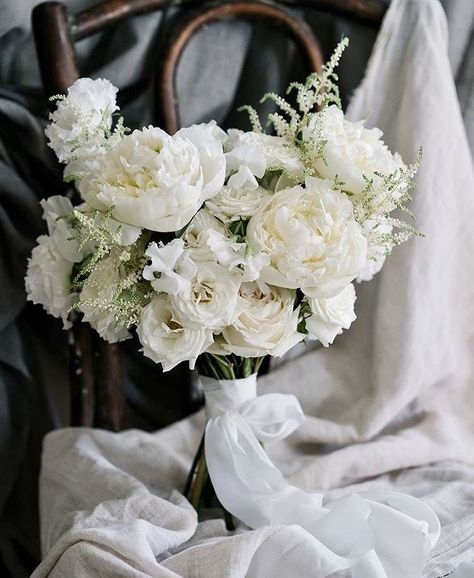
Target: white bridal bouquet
[[220, 248]]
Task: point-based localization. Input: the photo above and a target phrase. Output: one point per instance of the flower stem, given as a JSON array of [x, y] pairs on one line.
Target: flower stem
[[199, 482], [189, 479]]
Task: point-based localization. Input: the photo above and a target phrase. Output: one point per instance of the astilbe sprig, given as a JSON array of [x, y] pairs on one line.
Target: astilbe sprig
[[375, 204], [319, 90], [132, 292]]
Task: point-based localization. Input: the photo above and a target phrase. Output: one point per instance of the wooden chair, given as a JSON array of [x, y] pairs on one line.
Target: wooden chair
[[97, 397]]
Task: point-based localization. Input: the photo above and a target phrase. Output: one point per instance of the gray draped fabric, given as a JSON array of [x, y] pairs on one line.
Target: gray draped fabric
[[225, 66]]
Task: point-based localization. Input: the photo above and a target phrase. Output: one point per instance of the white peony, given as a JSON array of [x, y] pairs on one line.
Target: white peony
[[48, 279], [166, 340], [351, 151], [330, 316], [260, 153], [96, 300], [152, 180], [239, 199], [311, 237], [81, 122], [267, 323]]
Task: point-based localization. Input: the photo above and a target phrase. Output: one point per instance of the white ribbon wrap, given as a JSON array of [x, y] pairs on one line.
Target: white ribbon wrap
[[385, 535]]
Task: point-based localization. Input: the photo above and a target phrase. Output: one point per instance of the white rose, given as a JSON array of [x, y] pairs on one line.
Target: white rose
[[267, 323], [211, 297], [166, 340], [239, 199], [311, 237], [81, 121], [330, 316], [152, 180], [48, 279], [351, 150], [96, 300], [260, 153]]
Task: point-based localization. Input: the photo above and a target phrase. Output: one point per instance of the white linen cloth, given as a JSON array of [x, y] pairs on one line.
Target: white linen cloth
[[394, 392]]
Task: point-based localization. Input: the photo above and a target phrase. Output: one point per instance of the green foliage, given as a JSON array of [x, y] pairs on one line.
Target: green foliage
[[228, 366]]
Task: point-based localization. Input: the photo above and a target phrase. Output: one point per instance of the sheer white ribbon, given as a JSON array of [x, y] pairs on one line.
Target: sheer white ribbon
[[385, 535]]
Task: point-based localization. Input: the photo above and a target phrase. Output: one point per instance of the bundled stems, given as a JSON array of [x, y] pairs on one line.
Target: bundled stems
[[198, 488]]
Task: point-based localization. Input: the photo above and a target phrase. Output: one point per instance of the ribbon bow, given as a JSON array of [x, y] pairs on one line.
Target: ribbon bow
[[384, 535]]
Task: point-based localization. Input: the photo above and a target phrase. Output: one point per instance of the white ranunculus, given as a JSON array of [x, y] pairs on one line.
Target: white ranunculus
[[166, 340], [48, 279], [260, 153], [152, 180], [311, 237], [96, 300], [195, 235], [56, 211], [266, 325], [330, 316], [81, 121], [351, 151], [239, 199], [211, 298]]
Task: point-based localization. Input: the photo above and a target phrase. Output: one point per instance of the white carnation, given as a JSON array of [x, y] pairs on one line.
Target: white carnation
[[96, 300], [56, 212], [311, 237], [166, 340], [152, 180], [239, 199], [351, 151], [260, 153], [48, 279], [267, 323], [330, 316], [81, 123]]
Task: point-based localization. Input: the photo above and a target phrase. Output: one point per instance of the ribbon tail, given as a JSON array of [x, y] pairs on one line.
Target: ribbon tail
[[371, 537]]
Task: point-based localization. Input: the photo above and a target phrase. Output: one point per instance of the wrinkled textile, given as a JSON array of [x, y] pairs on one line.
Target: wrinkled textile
[[110, 508]]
